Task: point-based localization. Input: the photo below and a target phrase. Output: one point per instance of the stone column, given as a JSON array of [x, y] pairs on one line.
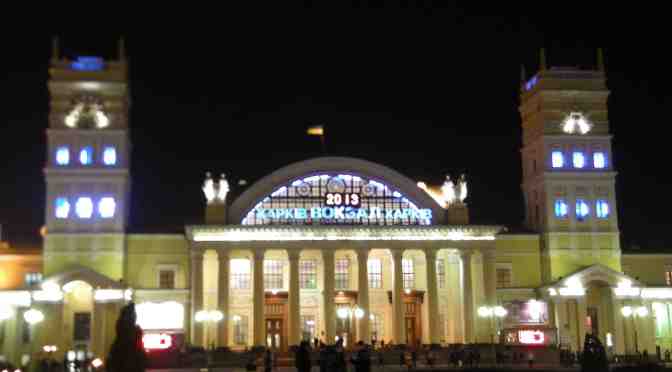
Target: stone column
[[618, 331], [294, 296], [223, 296], [561, 320], [259, 298], [399, 324], [468, 297], [196, 294], [328, 295], [363, 333], [432, 297], [581, 313], [98, 330]]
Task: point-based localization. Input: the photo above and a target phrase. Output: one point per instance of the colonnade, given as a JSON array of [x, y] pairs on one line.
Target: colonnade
[[470, 299]]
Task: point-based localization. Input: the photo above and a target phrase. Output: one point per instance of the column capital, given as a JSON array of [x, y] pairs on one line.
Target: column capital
[[327, 253], [196, 253], [222, 254], [397, 253], [293, 254], [466, 253], [258, 253], [430, 254], [363, 251]]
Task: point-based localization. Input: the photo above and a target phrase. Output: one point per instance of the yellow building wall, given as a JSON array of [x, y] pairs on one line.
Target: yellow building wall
[[524, 254], [103, 253], [14, 266], [147, 253], [648, 268]]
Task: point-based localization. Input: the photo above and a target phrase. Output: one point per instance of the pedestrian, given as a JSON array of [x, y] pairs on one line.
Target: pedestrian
[[362, 358], [302, 357], [339, 362], [530, 359], [414, 358], [269, 360]]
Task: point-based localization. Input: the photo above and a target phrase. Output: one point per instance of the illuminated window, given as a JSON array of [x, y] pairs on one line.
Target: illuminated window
[[84, 207], [33, 279], [342, 273], [408, 273], [106, 207], [167, 279], [240, 329], [582, 209], [503, 277], [240, 273], [272, 274], [560, 208], [63, 155], [308, 328], [62, 207], [110, 156], [557, 159], [82, 329], [308, 274], [578, 159], [602, 209], [86, 155], [441, 272], [599, 160], [377, 326], [375, 271]]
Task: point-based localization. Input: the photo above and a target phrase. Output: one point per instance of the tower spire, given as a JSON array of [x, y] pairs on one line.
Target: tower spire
[[600, 59], [542, 59], [122, 49], [55, 49]]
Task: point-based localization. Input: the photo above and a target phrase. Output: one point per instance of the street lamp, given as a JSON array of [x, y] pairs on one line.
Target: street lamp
[[208, 316], [635, 312], [6, 312]]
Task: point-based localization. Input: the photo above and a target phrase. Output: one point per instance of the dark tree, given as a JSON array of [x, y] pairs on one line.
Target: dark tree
[[127, 353], [594, 358]]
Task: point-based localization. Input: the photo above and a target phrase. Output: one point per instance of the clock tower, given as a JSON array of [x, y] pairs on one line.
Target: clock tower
[[568, 174], [88, 160]]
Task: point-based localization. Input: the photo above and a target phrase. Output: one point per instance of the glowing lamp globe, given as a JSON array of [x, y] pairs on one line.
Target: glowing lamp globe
[[359, 313], [342, 313], [33, 316], [484, 311], [626, 311]]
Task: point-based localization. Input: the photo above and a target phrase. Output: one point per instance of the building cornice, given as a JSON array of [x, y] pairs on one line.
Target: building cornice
[[238, 233]]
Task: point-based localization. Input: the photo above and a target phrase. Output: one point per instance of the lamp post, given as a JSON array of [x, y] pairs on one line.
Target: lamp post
[[494, 313], [632, 313], [208, 316]]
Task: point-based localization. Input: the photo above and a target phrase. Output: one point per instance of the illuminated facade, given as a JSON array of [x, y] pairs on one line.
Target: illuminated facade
[[333, 246]]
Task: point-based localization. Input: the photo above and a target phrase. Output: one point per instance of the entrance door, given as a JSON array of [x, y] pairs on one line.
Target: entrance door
[[274, 334], [410, 331]]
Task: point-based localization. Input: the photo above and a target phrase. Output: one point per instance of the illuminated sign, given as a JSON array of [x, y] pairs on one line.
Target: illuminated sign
[[87, 64], [341, 213], [531, 337], [338, 199], [157, 341], [163, 315]]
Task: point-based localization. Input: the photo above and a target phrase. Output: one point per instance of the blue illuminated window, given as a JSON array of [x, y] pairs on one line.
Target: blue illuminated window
[[602, 209], [107, 207], [560, 208], [86, 155], [557, 159], [84, 207], [62, 207], [579, 159], [63, 155], [110, 156], [582, 209], [85, 63], [599, 160]]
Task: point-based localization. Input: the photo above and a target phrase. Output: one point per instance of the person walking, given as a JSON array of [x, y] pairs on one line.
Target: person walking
[[362, 358], [269, 360]]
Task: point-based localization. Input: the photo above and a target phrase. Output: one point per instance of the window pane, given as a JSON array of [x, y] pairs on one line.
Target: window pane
[[62, 207], [167, 279], [272, 274], [63, 155], [599, 160], [503, 277], [308, 328], [375, 270], [582, 210], [84, 207], [376, 326], [240, 273], [107, 207], [239, 329], [560, 208], [557, 159], [579, 159], [86, 155], [110, 155], [342, 274], [602, 209], [441, 273], [308, 274], [408, 273], [82, 331]]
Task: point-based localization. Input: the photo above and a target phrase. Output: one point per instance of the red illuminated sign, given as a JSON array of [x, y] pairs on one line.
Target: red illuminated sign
[[157, 341], [531, 337]]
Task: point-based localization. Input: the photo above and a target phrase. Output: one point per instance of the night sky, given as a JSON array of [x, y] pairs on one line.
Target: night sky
[[426, 90]]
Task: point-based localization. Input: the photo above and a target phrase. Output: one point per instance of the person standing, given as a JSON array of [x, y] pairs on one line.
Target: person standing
[[269, 361], [302, 357]]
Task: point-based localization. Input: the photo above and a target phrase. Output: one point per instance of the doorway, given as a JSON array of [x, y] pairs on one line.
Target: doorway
[[274, 334], [411, 337]]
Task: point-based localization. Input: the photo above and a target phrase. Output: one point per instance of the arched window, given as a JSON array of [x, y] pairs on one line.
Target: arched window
[[557, 159], [582, 210], [86, 155], [599, 160], [109, 155], [602, 208], [578, 159], [560, 208], [63, 155], [62, 207], [84, 207], [107, 207]]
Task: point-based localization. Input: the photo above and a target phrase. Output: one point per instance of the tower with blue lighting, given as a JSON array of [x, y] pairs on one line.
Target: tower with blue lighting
[[568, 173], [88, 161]]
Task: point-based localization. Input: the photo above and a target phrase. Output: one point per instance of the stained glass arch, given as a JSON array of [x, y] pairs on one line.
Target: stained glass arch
[[335, 191]]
